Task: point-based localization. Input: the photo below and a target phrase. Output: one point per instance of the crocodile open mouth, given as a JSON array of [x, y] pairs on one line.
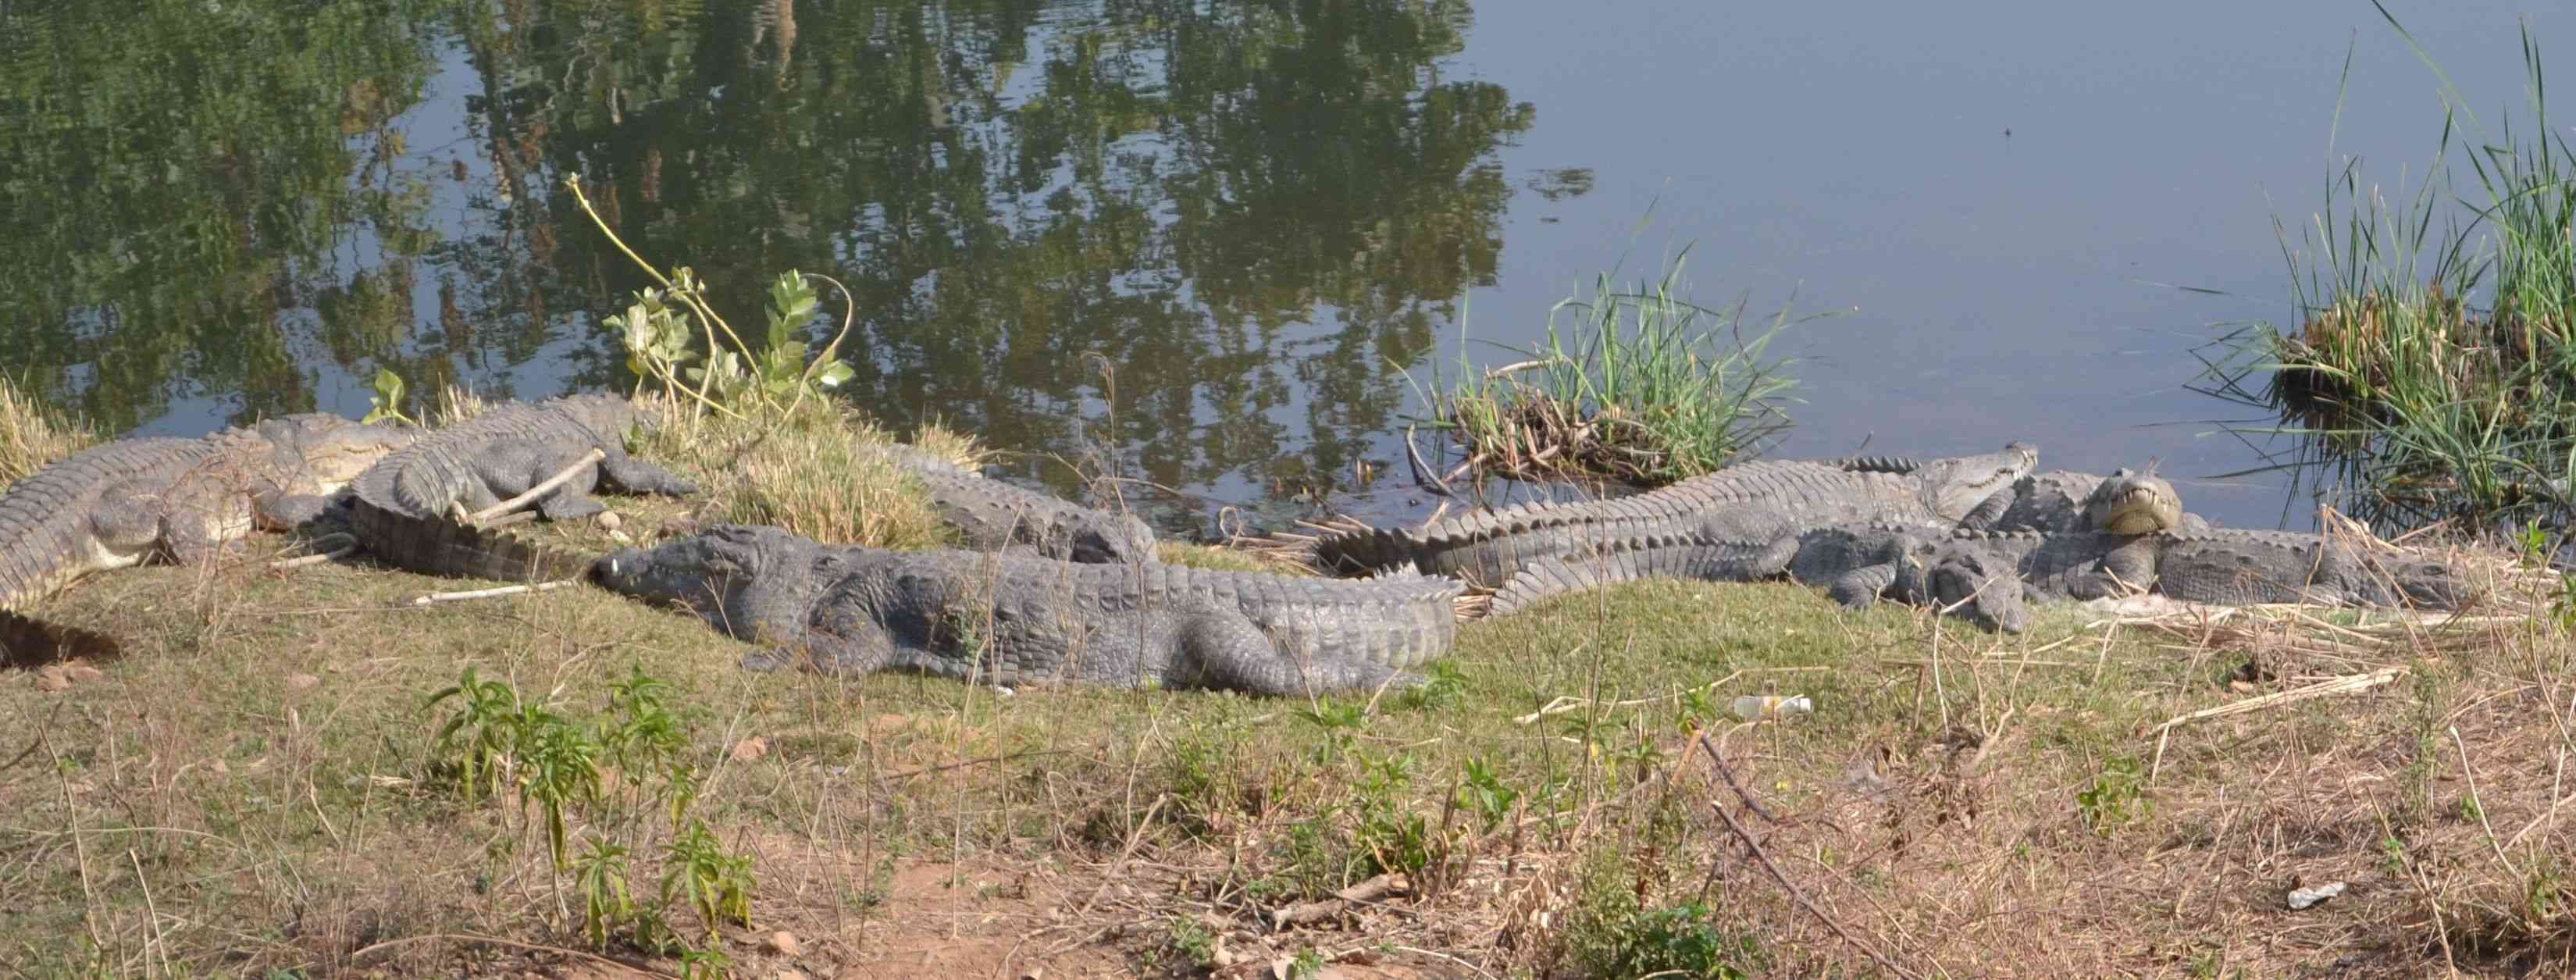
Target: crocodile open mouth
[[2143, 510]]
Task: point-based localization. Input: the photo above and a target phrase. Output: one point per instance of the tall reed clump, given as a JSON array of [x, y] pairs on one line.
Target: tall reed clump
[[1639, 385], [33, 433], [2433, 376]]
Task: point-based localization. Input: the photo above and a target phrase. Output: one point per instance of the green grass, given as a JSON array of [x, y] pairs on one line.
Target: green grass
[[2433, 376], [1637, 384]]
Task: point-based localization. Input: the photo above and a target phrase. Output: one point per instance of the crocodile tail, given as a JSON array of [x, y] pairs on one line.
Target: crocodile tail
[[440, 546], [26, 641]]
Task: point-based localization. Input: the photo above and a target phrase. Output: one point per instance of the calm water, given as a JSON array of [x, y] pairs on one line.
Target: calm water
[[1258, 213]]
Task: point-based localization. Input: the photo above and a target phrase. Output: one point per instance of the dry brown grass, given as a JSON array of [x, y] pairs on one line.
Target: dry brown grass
[[33, 433]]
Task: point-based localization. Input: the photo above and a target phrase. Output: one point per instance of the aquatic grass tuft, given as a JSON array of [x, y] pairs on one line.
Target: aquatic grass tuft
[[1639, 385], [33, 433], [812, 473], [2432, 376]]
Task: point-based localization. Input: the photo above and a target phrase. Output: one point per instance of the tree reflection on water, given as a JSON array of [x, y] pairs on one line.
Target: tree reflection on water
[[1255, 212]]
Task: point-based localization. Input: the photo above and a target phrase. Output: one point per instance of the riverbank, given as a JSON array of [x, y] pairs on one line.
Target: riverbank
[[261, 784]]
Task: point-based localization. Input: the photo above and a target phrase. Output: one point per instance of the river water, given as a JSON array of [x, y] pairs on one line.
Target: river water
[[2029, 219]]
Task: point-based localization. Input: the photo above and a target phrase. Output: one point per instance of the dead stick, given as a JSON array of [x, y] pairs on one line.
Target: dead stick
[[1366, 891], [435, 597], [347, 545], [1795, 893], [1422, 472], [595, 455], [1728, 773], [515, 944]]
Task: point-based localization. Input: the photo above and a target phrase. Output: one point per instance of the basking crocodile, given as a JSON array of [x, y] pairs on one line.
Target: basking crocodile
[[992, 515], [2059, 500], [1760, 499], [2221, 567], [125, 502], [405, 506], [1015, 619], [1857, 561]]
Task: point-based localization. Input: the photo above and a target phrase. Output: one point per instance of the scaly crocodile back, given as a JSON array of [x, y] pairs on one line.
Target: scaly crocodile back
[[45, 538], [403, 503], [1685, 556], [1489, 545], [990, 514]]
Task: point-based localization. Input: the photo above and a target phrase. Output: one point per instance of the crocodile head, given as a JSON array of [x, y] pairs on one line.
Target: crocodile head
[[2133, 502], [1968, 582], [327, 451], [746, 579], [2427, 585], [1960, 486]]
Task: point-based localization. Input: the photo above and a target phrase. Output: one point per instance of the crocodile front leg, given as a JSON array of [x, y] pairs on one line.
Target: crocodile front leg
[[624, 472]]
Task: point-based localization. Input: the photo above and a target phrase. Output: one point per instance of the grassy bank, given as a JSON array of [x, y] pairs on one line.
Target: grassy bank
[[2431, 375], [262, 785], [1636, 384]]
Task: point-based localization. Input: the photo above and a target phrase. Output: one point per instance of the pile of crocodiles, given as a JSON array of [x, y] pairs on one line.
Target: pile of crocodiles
[[1045, 590]]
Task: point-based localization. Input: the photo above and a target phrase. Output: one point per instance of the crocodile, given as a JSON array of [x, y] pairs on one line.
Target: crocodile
[[405, 506], [1858, 561], [129, 501], [1010, 618], [2059, 500], [2221, 566], [990, 515], [1759, 499]]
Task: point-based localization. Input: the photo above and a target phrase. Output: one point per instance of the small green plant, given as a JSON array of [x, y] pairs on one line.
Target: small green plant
[[710, 964], [600, 875], [663, 323], [1193, 942], [2116, 798], [1613, 929], [2392, 855], [2562, 609], [699, 872], [495, 736], [1390, 834], [385, 404], [1482, 793], [1341, 724], [1307, 964], [486, 720], [1443, 686]]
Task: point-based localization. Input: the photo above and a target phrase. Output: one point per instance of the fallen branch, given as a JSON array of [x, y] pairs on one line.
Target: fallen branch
[[2349, 684], [1325, 908], [587, 459], [1421, 472], [1795, 893], [645, 969], [347, 545], [436, 597], [1563, 703]]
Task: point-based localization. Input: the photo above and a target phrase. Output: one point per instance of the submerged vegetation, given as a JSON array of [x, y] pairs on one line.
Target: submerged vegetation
[[1642, 386], [2432, 375]]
